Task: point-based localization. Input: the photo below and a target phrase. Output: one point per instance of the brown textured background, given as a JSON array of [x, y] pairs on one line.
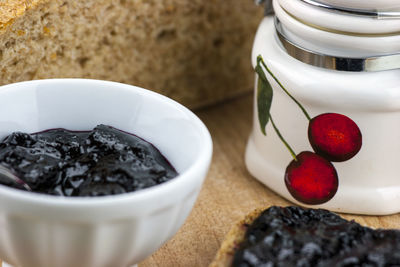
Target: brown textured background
[[195, 51]]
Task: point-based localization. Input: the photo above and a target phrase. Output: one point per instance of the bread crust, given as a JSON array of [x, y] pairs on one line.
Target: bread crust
[[12, 9], [235, 236]]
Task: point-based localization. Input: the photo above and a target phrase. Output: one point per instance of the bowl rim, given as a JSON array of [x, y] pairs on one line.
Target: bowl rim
[[201, 162]]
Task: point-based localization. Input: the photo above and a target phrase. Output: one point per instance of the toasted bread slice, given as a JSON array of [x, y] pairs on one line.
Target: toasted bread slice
[[287, 235], [234, 237]]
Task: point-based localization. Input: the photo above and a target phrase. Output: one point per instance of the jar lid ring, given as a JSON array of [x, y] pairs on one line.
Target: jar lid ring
[[366, 64], [377, 14]]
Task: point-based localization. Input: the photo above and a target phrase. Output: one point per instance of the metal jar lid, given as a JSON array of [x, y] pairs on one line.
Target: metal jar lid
[[374, 13], [373, 63], [381, 9], [368, 5], [367, 64]]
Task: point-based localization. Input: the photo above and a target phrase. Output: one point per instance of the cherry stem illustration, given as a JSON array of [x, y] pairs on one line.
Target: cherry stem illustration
[[260, 59], [282, 139]]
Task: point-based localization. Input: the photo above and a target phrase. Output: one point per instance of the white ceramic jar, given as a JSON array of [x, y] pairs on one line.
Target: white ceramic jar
[[333, 59]]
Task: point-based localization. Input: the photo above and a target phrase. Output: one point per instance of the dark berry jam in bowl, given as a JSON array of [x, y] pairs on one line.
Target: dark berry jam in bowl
[[121, 230], [100, 162]]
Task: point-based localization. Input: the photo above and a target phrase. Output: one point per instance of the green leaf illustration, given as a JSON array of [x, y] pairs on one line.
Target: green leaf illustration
[[264, 98]]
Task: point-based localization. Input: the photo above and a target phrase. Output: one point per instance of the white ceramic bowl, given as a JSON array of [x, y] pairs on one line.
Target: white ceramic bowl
[[121, 230]]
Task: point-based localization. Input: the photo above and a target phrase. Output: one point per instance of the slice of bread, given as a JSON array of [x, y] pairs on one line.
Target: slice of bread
[[234, 237], [288, 236], [196, 52]]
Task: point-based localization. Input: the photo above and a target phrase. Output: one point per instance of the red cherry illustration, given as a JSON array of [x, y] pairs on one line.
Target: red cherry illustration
[[334, 136], [311, 179]]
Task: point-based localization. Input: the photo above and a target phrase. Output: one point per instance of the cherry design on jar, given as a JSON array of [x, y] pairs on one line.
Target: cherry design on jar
[[310, 177], [334, 136]]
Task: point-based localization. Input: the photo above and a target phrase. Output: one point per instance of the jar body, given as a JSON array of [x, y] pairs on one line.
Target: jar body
[[369, 183]]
